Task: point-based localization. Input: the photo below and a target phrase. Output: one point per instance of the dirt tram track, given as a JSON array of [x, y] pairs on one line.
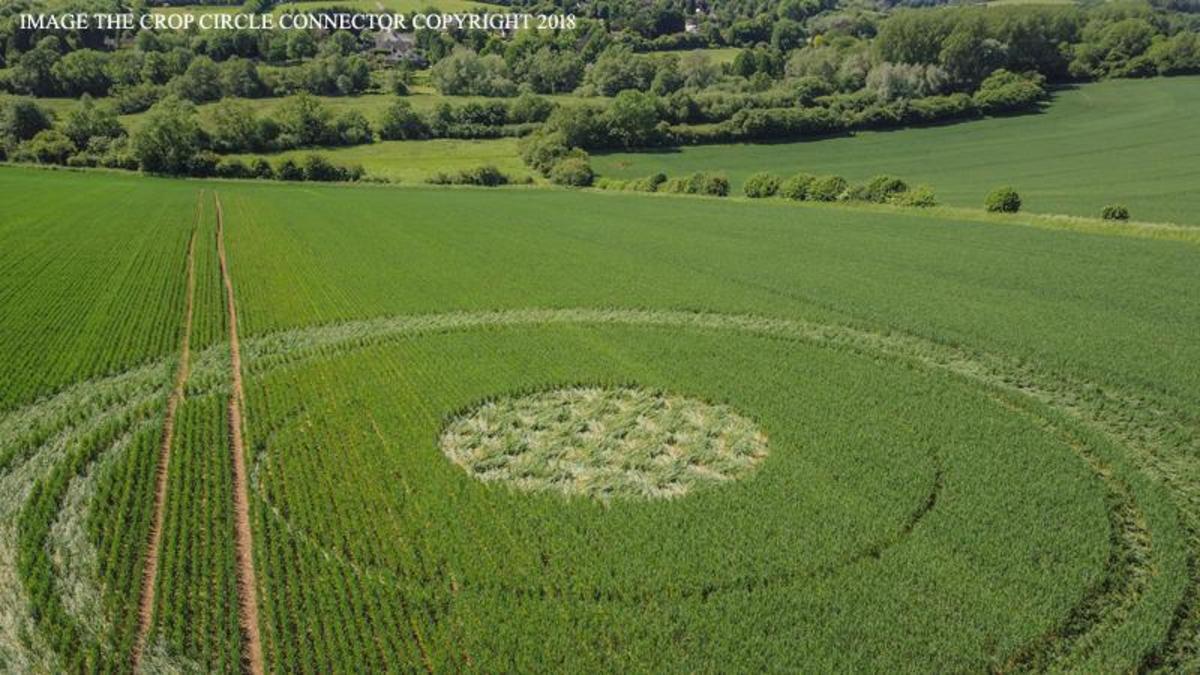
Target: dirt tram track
[[252, 656], [150, 571]]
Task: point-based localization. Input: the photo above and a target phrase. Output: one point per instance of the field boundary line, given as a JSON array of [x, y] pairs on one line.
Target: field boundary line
[[252, 655], [150, 571]]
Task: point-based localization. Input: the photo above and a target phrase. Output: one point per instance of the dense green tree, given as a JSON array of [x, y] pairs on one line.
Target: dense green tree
[[551, 71], [304, 121], [788, 35], [301, 45], [466, 73], [235, 127], [201, 82], [125, 67], [618, 69], [168, 138], [21, 119], [631, 119], [83, 72], [399, 122], [49, 146], [239, 77], [89, 121], [969, 55], [34, 71]]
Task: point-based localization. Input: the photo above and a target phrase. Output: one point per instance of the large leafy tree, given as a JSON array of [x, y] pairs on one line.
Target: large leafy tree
[[168, 138]]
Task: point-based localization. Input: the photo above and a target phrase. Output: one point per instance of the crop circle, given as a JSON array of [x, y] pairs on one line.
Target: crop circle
[[603, 443]]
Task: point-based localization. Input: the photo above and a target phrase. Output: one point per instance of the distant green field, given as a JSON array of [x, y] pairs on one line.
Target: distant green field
[[1128, 141], [414, 161], [844, 440]]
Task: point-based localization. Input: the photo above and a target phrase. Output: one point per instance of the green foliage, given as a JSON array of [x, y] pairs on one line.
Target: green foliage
[[304, 121], [20, 120], [572, 172], [528, 108], [168, 138], [699, 183], [1003, 200], [796, 187], [827, 188], [549, 70], [232, 167], [400, 122], [84, 71], [919, 196], [466, 73], [618, 69], [542, 150], [761, 184], [49, 146], [1004, 91], [482, 176], [287, 169], [200, 83], [261, 168], [89, 121], [1115, 212], [631, 120], [880, 189]]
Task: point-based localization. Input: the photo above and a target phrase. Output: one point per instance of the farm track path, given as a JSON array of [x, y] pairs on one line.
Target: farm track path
[[247, 584], [150, 572]]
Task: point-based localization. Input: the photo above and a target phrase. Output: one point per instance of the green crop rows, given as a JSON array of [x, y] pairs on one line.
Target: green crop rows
[[979, 442]]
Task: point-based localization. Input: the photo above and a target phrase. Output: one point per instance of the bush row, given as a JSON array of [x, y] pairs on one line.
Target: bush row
[[699, 183], [882, 189]]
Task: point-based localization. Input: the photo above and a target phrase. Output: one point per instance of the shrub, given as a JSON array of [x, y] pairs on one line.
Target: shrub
[[920, 196], [203, 164], [541, 151], [232, 167], [827, 188], [1115, 212], [530, 108], [168, 138], [261, 168], [288, 170], [49, 146], [572, 172], [883, 188], [352, 128], [760, 185], [317, 168], [1003, 200], [714, 185], [466, 73], [796, 187], [675, 186], [647, 184], [486, 176], [83, 159], [699, 183], [1005, 91], [401, 122], [136, 98]]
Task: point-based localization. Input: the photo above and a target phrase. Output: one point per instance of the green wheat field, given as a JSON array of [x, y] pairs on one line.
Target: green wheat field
[[830, 437]]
